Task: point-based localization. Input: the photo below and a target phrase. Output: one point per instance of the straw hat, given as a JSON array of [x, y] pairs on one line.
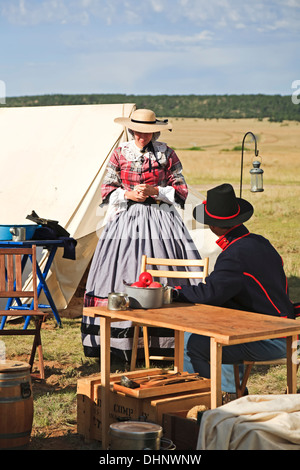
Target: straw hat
[[144, 120], [222, 208]]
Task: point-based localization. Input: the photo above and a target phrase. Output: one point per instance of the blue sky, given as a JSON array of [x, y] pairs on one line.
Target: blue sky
[[149, 46]]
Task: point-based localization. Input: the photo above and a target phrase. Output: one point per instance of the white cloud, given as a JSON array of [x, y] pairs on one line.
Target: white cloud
[[222, 13], [165, 41], [157, 5], [193, 46], [30, 12]]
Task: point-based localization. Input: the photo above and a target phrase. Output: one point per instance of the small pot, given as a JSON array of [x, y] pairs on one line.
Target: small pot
[[135, 435], [145, 297]]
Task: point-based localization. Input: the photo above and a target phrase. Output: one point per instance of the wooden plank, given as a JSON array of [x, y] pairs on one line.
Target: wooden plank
[[291, 363], [2, 273], [15, 293], [17, 332], [199, 384], [135, 341], [169, 404], [228, 326], [181, 431], [105, 377], [216, 372], [18, 271], [10, 272], [22, 313], [19, 251], [176, 274], [146, 347], [34, 278], [179, 350], [175, 262]]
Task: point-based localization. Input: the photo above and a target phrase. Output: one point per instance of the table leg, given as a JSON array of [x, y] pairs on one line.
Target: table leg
[[291, 363], [215, 373], [178, 350], [105, 378]]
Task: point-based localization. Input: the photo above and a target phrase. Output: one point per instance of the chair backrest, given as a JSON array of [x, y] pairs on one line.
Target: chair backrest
[[11, 284], [179, 263]]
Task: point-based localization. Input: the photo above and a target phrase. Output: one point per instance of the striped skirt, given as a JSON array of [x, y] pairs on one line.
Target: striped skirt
[[154, 230]]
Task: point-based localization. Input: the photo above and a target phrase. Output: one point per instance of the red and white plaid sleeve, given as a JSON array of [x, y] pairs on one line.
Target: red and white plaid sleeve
[[175, 177], [112, 178]]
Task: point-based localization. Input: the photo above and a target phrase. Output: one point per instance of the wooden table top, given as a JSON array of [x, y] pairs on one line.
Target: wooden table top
[[227, 326]]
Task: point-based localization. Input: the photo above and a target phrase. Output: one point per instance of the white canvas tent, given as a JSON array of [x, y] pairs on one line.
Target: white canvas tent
[[53, 160]]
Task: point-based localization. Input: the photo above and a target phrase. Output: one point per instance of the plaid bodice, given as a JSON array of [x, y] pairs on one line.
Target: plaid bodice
[[129, 166]]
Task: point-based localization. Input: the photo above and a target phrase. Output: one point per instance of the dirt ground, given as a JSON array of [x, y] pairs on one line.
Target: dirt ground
[[64, 437]]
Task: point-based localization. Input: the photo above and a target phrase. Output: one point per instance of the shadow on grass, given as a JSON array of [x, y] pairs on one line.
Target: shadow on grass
[[294, 288], [261, 369]]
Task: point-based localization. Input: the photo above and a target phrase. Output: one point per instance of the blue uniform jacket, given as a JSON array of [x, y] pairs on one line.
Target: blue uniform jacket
[[248, 275]]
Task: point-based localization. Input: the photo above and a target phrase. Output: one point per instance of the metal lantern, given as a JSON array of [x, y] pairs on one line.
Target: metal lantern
[[256, 177], [256, 172]]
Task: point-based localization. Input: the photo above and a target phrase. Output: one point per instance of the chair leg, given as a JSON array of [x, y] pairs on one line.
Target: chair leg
[[241, 387], [237, 379], [37, 345], [135, 346], [136, 335]]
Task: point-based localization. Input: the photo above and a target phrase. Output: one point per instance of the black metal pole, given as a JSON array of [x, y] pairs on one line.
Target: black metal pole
[[242, 159]]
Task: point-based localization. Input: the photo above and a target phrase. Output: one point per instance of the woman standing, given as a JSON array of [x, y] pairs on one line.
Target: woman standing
[[142, 186]]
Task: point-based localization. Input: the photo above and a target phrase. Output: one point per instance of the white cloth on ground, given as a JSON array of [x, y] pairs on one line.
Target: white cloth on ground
[[253, 422]]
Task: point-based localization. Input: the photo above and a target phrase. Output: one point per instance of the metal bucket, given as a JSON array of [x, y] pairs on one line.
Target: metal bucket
[[16, 404], [135, 435], [145, 297]]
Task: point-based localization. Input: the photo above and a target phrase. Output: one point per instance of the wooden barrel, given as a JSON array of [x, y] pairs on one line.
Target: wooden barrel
[[16, 404]]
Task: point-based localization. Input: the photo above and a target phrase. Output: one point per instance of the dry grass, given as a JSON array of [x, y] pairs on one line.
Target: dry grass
[[277, 210], [278, 145]]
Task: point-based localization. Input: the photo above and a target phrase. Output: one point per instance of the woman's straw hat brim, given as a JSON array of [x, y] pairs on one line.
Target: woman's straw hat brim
[[144, 120]]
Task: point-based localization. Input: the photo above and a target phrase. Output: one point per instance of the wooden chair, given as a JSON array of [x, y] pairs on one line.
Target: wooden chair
[[241, 386], [11, 287], [166, 273]]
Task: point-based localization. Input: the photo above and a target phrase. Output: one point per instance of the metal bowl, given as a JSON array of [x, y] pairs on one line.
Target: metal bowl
[[5, 233], [145, 297]]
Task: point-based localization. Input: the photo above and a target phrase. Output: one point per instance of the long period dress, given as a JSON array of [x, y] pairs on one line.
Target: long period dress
[[153, 228]]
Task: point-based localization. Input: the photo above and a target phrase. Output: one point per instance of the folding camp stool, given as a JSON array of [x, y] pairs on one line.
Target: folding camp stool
[[11, 286]]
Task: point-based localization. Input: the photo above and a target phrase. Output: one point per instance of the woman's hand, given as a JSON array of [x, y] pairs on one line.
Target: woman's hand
[[135, 195], [146, 190]]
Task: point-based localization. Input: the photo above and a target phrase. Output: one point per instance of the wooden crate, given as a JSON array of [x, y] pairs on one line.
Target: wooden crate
[[182, 431], [123, 407]]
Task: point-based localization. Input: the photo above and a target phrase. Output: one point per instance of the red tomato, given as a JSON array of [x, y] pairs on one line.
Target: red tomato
[[139, 284], [155, 284], [146, 278]]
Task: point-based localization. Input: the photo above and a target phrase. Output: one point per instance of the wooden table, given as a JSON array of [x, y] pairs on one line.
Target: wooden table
[[223, 326]]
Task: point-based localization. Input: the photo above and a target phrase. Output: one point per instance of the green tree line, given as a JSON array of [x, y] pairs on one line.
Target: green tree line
[[273, 107]]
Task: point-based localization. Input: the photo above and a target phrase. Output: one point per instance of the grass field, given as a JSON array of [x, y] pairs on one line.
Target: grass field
[[212, 160], [215, 161]]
